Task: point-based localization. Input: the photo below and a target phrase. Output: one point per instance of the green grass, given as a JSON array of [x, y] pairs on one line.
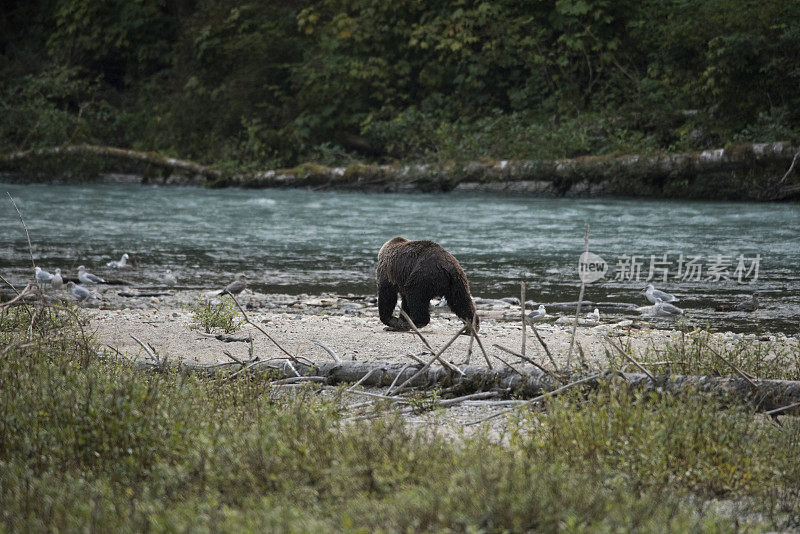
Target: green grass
[[208, 316], [697, 353], [89, 442]]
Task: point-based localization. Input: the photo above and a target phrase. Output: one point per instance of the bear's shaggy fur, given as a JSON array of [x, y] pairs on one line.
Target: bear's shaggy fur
[[420, 271]]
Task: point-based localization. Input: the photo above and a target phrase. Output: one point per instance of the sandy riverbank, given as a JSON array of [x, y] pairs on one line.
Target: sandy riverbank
[[349, 325]]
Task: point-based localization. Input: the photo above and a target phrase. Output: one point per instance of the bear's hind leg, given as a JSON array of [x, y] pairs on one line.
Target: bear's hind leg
[[387, 300], [418, 308]]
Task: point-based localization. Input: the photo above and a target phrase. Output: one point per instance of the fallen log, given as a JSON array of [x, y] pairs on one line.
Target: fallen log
[[746, 171], [769, 395]]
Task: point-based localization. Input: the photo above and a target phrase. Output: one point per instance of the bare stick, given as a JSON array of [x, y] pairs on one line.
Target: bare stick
[[736, 369], [471, 326], [30, 246], [544, 346], [536, 399], [794, 160], [232, 357], [147, 349], [522, 307], [520, 373], [782, 409], [248, 321], [243, 369], [289, 363], [471, 341], [580, 301], [396, 378], [441, 404], [542, 369], [363, 378], [425, 341], [428, 364], [327, 349], [631, 359], [416, 359], [20, 295], [296, 379]]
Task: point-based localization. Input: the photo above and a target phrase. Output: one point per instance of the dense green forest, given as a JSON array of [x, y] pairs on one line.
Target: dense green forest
[[246, 85]]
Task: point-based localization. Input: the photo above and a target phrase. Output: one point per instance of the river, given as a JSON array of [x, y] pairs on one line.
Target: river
[[302, 241]]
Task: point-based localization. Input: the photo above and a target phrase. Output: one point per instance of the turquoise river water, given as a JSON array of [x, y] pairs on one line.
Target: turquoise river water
[[302, 241]]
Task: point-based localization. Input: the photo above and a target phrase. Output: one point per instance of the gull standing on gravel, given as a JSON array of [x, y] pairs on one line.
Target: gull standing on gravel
[[79, 292], [593, 317], [42, 276], [652, 294], [235, 287], [663, 308], [170, 278], [537, 314], [58, 281], [119, 264], [88, 278]]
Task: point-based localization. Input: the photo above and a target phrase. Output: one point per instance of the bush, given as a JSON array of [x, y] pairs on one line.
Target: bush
[[208, 315]]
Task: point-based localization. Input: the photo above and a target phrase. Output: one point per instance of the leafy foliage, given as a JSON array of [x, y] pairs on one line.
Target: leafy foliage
[[208, 315], [93, 441], [266, 84]]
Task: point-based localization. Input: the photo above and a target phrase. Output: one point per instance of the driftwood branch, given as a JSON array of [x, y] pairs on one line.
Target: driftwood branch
[[27, 235], [578, 308], [425, 342], [771, 394]]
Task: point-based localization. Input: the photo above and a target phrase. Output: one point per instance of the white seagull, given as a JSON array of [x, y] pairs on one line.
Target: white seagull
[[652, 294], [118, 264], [79, 292], [663, 308], [42, 276], [170, 278], [594, 316], [58, 281], [537, 314], [88, 278]]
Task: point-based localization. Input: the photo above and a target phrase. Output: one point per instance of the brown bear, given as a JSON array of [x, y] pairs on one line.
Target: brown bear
[[420, 271]]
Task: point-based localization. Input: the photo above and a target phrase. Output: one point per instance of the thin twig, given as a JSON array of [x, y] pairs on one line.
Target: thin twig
[[631, 359], [471, 341], [258, 327], [782, 409], [416, 359], [327, 349], [580, 301], [520, 373], [232, 357], [363, 379], [425, 341], [147, 349], [296, 379], [30, 246], [396, 378], [471, 326], [522, 307], [794, 160], [536, 399], [546, 349], [289, 363], [736, 369], [542, 369], [20, 295], [429, 363]]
